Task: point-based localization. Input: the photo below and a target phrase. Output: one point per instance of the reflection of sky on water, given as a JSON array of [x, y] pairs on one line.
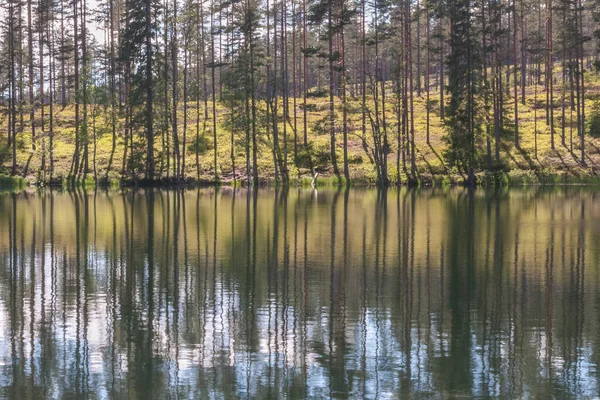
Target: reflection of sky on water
[[502, 303]]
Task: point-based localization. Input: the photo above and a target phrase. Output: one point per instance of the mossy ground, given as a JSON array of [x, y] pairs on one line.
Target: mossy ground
[[517, 165]]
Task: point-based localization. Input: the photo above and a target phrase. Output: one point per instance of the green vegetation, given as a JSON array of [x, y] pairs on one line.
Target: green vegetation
[[247, 93], [518, 166], [11, 183]]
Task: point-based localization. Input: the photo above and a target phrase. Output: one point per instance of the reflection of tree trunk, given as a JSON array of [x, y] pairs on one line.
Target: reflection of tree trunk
[[150, 284], [549, 298], [295, 277], [461, 257], [514, 338], [78, 350], [176, 267], [337, 327], [12, 239], [305, 302], [363, 306], [249, 307], [286, 273]]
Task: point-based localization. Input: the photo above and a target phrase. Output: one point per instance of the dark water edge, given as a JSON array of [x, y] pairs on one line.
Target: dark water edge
[[485, 179], [342, 293]]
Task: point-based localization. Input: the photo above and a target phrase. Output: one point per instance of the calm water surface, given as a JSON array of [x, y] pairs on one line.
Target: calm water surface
[[270, 294]]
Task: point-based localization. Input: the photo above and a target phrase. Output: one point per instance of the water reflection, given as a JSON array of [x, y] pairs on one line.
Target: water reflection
[[344, 293]]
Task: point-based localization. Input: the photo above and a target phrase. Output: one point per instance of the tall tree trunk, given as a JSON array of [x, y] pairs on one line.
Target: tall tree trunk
[[515, 61], [581, 76], [363, 72], [442, 63], [86, 77], [418, 46], [294, 87], [331, 88], [344, 102], [253, 101], [185, 98], [149, 94], [214, 101], [549, 75], [30, 48], [427, 67], [486, 85], [199, 39], [284, 86], [304, 71], [166, 115], [76, 77], [112, 83], [523, 54], [413, 168], [51, 92], [275, 105], [174, 93], [63, 69], [12, 112]]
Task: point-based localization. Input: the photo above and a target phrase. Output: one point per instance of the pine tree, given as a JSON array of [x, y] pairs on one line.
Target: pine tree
[[464, 64]]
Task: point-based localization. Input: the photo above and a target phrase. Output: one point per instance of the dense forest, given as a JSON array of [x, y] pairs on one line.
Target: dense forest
[[250, 91]]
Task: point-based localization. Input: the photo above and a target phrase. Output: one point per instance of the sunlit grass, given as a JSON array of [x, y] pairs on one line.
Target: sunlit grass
[[562, 162]]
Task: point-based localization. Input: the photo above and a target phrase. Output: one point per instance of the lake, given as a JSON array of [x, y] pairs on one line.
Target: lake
[[360, 293]]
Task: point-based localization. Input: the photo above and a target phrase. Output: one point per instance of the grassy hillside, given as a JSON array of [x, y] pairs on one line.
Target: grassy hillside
[[520, 164]]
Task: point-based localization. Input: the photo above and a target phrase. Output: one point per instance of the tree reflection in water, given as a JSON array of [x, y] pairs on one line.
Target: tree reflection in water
[[272, 293]]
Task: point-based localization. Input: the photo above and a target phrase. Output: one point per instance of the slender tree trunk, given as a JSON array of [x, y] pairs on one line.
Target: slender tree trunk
[[442, 62], [20, 53], [165, 82], [275, 105], [363, 72], [549, 70], [51, 91], [112, 84], [63, 70], [214, 101], [535, 144], [30, 48], [486, 95], [516, 93], [253, 102], [413, 168], [149, 94], [126, 79], [580, 66], [427, 67], [418, 46], [344, 104], [284, 85], [174, 93], [304, 70], [294, 87], [12, 138], [331, 89], [230, 58], [84, 92], [76, 77], [199, 39], [563, 78], [270, 87], [523, 54], [185, 99]]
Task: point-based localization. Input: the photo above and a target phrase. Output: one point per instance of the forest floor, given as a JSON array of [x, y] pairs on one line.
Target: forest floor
[[519, 165]]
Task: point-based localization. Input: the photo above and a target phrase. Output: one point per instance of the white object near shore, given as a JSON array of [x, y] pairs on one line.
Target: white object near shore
[[314, 179]]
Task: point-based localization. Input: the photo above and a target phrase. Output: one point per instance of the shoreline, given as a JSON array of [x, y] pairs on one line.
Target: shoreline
[[483, 179]]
